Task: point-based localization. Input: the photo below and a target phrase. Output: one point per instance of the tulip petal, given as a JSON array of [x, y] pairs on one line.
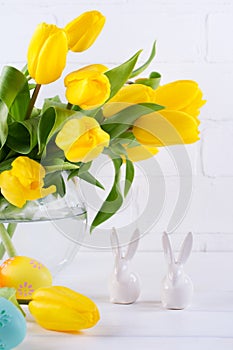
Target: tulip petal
[[83, 30], [88, 87], [128, 95], [194, 108], [177, 95], [82, 139], [37, 41], [166, 128], [24, 182], [40, 192], [52, 59], [12, 189], [47, 53], [28, 171]]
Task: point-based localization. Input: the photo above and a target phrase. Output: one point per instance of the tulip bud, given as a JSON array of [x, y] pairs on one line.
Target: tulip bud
[[83, 30], [88, 87], [62, 309], [180, 95], [127, 96], [166, 128], [82, 140], [47, 53], [25, 181]]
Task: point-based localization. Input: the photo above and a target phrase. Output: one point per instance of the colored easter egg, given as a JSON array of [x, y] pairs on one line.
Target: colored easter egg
[[12, 325], [25, 275]]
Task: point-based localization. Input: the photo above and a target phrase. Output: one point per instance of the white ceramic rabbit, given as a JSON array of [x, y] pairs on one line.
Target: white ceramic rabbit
[[177, 287], [124, 285]]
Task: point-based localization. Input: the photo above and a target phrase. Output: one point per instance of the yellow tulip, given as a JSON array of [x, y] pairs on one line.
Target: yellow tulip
[[24, 182], [180, 95], [62, 309], [166, 127], [126, 96], [177, 123], [88, 87], [82, 139], [141, 152], [83, 30], [47, 53]]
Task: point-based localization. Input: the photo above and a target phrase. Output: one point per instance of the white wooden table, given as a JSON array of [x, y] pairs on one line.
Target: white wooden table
[[207, 324]]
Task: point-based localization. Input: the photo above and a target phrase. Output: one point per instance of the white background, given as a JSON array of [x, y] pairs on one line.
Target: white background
[[193, 42]]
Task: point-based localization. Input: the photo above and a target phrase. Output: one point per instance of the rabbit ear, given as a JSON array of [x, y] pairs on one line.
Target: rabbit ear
[[115, 243], [132, 247], [168, 249], [185, 249]]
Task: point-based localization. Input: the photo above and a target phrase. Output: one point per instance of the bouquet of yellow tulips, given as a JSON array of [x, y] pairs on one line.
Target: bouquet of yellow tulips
[[107, 111]]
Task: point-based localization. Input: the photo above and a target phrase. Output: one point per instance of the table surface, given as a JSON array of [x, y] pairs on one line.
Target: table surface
[[206, 324]]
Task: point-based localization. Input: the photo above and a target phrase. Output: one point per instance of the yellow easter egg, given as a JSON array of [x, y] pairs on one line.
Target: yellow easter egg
[[25, 275]]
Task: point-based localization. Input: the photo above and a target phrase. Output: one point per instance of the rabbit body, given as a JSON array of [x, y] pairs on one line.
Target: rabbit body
[[124, 285], [177, 291], [177, 287]]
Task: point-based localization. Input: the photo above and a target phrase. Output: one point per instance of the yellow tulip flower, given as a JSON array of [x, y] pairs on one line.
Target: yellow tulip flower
[[166, 127], [126, 96], [177, 123], [83, 30], [88, 87], [62, 309], [180, 95], [24, 182], [82, 139], [47, 53]]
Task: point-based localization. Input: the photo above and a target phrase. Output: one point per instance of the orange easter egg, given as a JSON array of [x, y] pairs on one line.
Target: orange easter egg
[[25, 275]]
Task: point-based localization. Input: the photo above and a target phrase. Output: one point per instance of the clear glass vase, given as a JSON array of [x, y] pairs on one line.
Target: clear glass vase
[[50, 230]]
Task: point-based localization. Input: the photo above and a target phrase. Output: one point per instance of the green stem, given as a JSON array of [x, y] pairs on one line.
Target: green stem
[[6, 239], [32, 101], [11, 230]]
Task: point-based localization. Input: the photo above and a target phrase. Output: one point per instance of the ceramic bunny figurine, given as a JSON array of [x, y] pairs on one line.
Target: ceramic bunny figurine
[[124, 285], [177, 287]]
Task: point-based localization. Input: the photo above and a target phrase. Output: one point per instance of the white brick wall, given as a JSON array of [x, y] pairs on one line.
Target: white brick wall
[[194, 42]]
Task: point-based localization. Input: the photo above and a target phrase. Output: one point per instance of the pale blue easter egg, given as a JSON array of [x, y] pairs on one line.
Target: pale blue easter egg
[[12, 325]]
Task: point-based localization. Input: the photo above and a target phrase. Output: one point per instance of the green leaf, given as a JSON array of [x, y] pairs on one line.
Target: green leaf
[[58, 164], [10, 294], [84, 174], [146, 64], [119, 75], [53, 102], [114, 199], [20, 105], [129, 176], [56, 179], [118, 149], [22, 137], [12, 90], [6, 164], [51, 122], [153, 81], [84, 167], [3, 123], [88, 177], [121, 121], [12, 82]]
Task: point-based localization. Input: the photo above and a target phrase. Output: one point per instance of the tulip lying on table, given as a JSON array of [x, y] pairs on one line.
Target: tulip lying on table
[[62, 309]]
